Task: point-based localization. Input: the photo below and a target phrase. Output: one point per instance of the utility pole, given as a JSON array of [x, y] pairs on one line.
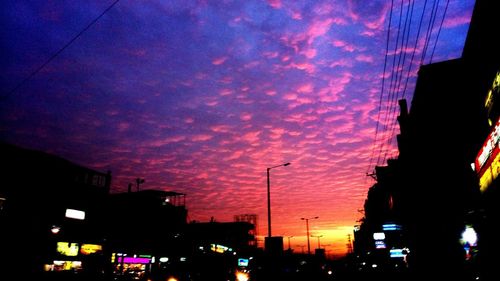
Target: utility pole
[[318, 236], [349, 244], [307, 229], [139, 181], [289, 242]]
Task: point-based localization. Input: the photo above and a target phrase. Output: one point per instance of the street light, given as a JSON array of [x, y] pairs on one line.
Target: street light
[[307, 227], [319, 236], [139, 181], [289, 242], [269, 198]]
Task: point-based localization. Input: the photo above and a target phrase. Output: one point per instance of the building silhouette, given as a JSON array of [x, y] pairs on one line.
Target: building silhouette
[[51, 208], [431, 191], [60, 222]]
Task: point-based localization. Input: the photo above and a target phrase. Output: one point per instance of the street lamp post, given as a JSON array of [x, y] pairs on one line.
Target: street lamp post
[[289, 248], [139, 181], [307, 227], [269, 198], [319, 236]]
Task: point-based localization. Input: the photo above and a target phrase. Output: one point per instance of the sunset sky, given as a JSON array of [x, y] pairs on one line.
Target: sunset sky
[[201, 97]]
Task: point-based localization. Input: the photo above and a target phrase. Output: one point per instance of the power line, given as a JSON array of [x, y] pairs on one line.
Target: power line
[[399, 85], [389, 96], [439, 31], [399, 75], [429, 30], [414, 48], [382, 89], [393, 97], [62, 49]]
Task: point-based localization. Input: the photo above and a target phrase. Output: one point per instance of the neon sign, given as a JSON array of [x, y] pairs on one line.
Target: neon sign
[[67, 249], [491, 143], [487, 163], [87, 249]]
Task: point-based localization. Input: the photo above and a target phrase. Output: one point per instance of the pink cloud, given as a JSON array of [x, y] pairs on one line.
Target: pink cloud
[[334, 118], [450, 22], [305, 88], [310, 53], [165, 141], [203, 175], [201, 137], [290, 96], [296, 15], [235, 155], [251, 137], [364, 58], [319, 28], [276, 133], [344, 45], [245, 116], [342, 62], [368, 33], [225, 92], [372, 14], [276, 4], [300, 118], [300, 101], [219, 61], [221, 128], [305, 66], [212, 103], [271, 92]]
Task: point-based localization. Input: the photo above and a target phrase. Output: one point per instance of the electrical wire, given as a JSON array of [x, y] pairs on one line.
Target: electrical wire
[[61, 49], [382, 90], [439, 31]]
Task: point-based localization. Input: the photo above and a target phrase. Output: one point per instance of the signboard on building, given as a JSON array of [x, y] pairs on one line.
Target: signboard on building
[[492, 102], [487, 163]]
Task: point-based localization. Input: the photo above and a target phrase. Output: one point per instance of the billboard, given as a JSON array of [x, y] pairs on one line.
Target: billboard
[[487, 162], [75, 214], [88, 249], [67, 249]]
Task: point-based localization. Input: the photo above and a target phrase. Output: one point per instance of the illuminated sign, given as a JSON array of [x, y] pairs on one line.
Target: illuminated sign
[[134, 260], [242, 262], [399, 253], [490, 173], [380, 244], [379, 236], [63, 265], [75, 214], [219, 248], [487, 163], [391, 227], [87, 249], [396, 253], [67, 249]]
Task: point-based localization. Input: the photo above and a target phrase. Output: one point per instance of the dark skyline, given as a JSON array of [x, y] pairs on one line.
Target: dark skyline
[[200, 98]]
